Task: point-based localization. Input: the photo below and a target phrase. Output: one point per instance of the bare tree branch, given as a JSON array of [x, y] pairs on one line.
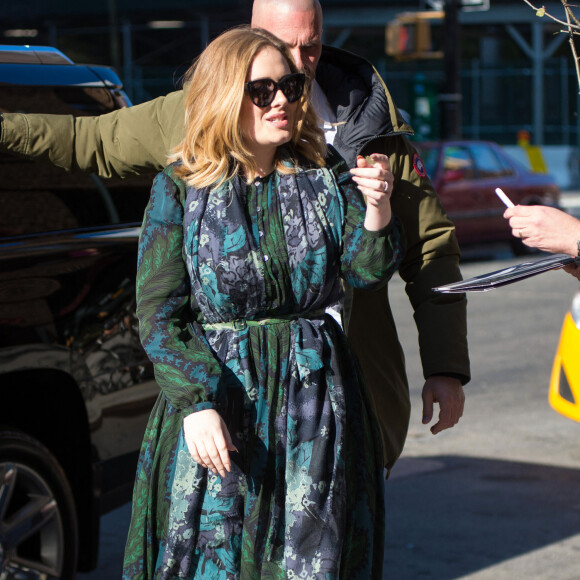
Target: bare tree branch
[[573, 16], [551, 17], [569, 17], [571, 27]]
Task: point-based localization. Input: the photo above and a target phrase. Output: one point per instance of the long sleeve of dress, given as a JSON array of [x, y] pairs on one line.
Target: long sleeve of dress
[[185, 367], [369, 258]]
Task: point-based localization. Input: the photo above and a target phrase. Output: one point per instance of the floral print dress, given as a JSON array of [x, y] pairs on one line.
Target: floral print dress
[[304, 497]]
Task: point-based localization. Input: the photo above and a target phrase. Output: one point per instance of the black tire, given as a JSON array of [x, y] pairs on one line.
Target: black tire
[[38, 525]]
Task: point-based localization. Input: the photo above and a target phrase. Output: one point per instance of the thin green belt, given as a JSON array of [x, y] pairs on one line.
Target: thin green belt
[[242, 323]]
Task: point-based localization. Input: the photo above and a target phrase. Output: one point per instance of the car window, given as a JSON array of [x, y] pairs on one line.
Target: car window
[[37, 197], [489, 164], [507, 164], [458, 160], [57, 100]]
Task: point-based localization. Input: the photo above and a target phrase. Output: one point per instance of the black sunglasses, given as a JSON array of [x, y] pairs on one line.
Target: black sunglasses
[[263, 91]]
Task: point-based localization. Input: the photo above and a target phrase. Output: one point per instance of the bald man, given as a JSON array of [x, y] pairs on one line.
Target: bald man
[[359, 118]]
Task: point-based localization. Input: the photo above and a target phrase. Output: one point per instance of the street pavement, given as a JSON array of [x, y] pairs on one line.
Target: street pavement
[[498, 496]]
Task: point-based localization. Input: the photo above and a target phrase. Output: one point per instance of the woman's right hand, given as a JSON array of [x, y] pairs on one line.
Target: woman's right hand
[[376, 181], [208, 440]]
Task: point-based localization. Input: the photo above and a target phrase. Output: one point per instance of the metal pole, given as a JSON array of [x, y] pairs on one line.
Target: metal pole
[[52, 34], [450, 97], [565, 106], [538, 82], [204, 32], [128, 59], [475, 97], [114, 34]]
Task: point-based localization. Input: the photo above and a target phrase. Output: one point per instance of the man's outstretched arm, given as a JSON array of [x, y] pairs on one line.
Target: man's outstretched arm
[[126, 142]]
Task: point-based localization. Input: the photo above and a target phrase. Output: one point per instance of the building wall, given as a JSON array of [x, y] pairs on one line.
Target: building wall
[[499, 76]]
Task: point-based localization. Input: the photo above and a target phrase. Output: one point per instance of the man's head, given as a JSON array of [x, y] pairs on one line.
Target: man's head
[[298, 23]]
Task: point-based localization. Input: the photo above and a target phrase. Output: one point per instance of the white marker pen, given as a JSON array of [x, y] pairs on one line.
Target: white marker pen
[[506, 200]]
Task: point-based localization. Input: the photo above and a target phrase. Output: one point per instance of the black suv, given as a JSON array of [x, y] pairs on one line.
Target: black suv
[[75, 385]]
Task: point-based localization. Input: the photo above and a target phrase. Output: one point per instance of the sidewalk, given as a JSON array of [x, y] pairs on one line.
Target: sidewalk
[[473, 518]]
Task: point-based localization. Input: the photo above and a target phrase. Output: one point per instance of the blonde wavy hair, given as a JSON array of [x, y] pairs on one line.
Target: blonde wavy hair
[[213, 149]]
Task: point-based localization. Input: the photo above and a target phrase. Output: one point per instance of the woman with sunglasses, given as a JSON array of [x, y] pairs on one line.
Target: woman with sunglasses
[[261, 457]]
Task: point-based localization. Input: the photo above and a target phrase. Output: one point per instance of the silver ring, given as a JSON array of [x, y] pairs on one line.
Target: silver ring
[[385, 186], [521, 234]]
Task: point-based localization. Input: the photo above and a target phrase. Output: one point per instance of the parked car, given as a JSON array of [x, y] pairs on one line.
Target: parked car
[[465, 175], [564, 393], [76, 387]]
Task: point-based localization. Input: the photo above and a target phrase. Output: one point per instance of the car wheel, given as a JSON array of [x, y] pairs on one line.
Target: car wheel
[[38, 529]]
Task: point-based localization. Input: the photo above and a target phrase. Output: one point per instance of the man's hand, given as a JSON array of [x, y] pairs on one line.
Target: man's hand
[[546, 228], [573, 269], [448, 392]]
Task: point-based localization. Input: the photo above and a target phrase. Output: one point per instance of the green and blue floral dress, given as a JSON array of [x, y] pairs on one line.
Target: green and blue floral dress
[[304, 498]]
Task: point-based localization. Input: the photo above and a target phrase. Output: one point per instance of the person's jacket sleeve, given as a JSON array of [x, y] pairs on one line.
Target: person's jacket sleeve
[[432, 259], [126, 142]]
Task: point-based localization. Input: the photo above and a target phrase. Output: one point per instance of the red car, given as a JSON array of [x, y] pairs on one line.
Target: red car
[[465, 175]]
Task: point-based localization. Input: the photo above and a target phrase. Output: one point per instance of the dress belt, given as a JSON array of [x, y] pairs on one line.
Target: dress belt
[[243, 323]]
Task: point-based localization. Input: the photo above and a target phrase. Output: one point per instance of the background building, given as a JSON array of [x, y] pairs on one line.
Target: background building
[[516, 70]]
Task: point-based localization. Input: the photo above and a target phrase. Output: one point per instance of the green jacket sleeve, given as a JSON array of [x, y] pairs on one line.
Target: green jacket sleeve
[[431, 259], [126, 142]]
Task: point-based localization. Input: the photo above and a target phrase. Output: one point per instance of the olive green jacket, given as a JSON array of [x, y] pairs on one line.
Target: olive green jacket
[[137, 140]]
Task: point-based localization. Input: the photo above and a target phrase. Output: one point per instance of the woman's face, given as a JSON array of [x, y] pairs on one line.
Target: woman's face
[[267, 128]]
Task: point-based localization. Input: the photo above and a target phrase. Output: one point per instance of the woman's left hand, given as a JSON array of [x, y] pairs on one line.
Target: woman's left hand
[[376, 183]]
